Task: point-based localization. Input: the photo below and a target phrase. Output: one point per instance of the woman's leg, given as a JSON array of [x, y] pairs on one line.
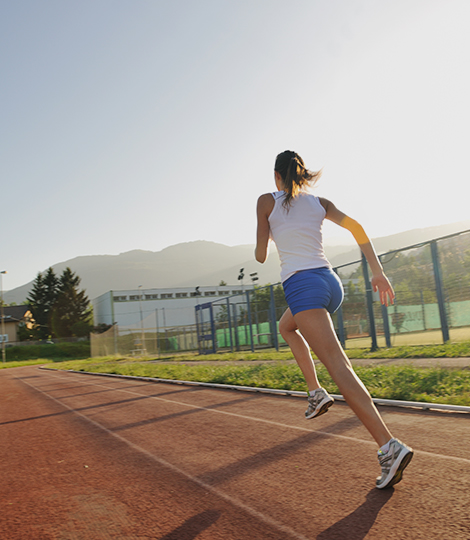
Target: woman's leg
[[300, 349], [317, 329]]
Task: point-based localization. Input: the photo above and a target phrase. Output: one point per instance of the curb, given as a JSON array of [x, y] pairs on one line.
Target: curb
[[387, 402]]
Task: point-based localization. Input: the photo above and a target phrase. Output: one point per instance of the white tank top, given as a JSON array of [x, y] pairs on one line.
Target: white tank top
[[297, 233]]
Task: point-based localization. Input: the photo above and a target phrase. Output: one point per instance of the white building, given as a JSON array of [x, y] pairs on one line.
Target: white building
[[157, 308]]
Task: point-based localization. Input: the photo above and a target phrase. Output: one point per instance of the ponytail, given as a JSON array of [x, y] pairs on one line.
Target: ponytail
[[294, 174]]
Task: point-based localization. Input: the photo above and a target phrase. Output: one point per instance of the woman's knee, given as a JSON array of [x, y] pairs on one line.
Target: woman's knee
[[287, 325], [286, 330]]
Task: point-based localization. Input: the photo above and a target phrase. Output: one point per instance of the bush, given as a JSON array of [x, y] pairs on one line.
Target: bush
[[56, 351]]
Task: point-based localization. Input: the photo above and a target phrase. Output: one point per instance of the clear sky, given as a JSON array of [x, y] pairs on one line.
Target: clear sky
[[139, 124]]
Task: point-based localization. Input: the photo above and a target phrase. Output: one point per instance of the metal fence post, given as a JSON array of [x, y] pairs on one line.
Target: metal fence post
[[235, 327], [229, 320], [213, 333], [157, 327], [370, 307], [198, 328], [249, 320], [115, 338], [388, 341], [386, 322], [272, 309], [440, 291], [341, 332], [423, 310], [339, 315]]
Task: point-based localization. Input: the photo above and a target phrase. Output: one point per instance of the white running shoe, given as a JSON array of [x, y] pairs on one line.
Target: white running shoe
[[393, 463], [319, 403]]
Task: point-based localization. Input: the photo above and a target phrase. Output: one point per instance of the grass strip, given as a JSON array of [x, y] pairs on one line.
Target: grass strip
[[407, 383], [23, 363], [68, 351]]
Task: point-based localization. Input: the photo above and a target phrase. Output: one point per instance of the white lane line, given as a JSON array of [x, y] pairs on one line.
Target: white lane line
[[235, 502], [262, 420]]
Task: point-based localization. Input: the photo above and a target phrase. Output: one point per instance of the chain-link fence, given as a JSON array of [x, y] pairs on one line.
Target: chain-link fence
[[143, 339], [432, 305]]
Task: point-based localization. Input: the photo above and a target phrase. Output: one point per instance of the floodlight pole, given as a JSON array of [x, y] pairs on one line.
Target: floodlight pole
[[3, 316], [241, 275]]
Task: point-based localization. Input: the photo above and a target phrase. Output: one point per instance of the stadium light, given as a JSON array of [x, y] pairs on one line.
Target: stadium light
[[3, 316], [241, 275]]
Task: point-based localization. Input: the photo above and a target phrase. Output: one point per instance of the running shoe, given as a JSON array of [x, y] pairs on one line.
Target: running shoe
[[393, 464], [319, 403]]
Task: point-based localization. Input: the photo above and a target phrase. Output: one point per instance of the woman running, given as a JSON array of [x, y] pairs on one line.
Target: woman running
[[293, 218]]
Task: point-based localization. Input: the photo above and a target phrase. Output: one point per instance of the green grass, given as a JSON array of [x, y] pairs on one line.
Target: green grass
[[429, 337], [436, 385], [269, 369], [22, 363], [447, 350], [81, 350]]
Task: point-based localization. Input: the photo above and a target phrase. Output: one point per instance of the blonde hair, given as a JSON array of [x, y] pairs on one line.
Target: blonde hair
[[294, 175]]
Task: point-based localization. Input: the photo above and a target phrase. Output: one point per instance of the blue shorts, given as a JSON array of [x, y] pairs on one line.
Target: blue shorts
[[314, 288]]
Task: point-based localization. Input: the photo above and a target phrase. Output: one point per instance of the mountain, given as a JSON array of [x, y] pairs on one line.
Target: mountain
[[205, 263]]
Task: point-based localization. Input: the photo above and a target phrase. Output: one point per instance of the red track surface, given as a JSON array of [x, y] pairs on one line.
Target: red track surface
[[86, 457]]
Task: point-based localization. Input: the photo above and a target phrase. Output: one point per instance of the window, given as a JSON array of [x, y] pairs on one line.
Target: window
[[134, 297], [209, 293], [181, 294], [119, 298], [166, 295], [151, 296]]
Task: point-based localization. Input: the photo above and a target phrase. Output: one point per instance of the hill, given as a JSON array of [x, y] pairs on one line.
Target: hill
[[205, 263]]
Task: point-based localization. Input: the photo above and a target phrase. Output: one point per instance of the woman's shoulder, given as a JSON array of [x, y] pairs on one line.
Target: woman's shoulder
[[265, 197], [308, 194], [314, 202], [266, 201]]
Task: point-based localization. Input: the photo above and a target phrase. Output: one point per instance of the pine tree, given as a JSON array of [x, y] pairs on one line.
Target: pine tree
[[71, 313], [42, 299]]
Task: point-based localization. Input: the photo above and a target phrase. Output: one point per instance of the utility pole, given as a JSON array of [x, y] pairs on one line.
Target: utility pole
[[3, 316]]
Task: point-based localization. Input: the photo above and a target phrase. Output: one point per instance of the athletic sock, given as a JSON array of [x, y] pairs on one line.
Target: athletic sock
[[385, 448], [313, 391]]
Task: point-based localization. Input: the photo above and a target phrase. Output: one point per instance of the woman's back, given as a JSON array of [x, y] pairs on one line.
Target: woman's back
[[297, 233]]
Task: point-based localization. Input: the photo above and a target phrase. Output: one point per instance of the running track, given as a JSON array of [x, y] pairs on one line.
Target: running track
[[87, 457]]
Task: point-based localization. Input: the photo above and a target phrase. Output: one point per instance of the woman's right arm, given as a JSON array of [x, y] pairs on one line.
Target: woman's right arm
[[263, 210]]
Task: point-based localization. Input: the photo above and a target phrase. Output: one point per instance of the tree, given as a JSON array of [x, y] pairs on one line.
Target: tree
[[42, 299], [71, 314], [222, 314], [59, 309], [101, 328], [25, 333]]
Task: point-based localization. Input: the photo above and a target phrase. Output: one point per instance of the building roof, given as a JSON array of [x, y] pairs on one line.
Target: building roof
[[15, 313]]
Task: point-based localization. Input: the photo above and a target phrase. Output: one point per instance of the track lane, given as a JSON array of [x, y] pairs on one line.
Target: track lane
[[259, 452]]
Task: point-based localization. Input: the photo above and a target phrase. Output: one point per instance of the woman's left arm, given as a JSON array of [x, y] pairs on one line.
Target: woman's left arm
[[263, 210]]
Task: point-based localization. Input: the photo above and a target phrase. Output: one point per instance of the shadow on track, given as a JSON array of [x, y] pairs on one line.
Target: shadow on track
[[270, 455], [357, 525], [194, 526]]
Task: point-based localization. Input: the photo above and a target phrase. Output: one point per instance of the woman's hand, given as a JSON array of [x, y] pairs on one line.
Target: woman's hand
[[381, 283]]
